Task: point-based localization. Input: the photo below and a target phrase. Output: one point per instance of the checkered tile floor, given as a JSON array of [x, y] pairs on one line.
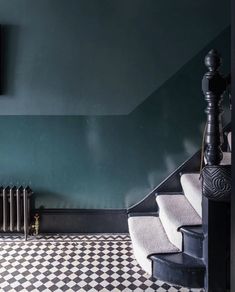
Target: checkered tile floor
[[74, 263]]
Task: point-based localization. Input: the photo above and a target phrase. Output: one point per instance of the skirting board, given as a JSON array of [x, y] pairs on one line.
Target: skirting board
[[82, 221]]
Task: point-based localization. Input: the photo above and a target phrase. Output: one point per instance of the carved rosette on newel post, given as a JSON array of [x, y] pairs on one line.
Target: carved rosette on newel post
[[216, 183]]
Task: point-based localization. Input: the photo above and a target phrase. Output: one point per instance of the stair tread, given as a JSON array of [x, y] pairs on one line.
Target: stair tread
[[195, 231], [178, 210], [192, 188], [150, 234], [175, 211], [148, 237], [180, 259]]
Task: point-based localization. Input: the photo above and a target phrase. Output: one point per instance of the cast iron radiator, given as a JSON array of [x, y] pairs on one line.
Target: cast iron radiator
[[15, 209]]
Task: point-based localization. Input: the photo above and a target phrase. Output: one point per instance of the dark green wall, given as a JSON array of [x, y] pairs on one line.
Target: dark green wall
[[99, 57], [102, 98]]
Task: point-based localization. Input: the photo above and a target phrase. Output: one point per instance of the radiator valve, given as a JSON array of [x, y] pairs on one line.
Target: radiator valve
[[35, 226]]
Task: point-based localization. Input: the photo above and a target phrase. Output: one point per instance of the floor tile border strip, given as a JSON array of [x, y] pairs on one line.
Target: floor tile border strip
[[67, 238], [58, 241]]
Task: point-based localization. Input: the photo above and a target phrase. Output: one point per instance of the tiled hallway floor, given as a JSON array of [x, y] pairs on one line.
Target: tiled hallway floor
[[74, 263]]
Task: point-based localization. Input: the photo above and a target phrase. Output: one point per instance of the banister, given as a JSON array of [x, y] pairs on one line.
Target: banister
[[216, 182]]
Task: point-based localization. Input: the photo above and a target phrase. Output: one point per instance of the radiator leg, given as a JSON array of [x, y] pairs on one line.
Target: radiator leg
[[11, 210], [25, 214], [18, 215], [4, 210]]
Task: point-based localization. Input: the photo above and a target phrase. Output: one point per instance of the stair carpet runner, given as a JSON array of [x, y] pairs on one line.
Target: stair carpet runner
[[161, 234]]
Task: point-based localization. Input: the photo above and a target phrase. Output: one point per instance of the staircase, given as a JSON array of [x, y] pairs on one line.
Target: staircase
[[167, 232]]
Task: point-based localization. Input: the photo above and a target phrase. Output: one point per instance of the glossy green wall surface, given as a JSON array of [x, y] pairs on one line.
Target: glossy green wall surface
[[102, 99]]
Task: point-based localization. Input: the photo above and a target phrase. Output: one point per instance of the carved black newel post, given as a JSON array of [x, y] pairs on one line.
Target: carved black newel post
[[213, 86], [216, 183]]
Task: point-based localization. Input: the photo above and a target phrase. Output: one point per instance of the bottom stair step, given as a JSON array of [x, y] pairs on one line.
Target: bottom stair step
[[179, 269], [148, 237]]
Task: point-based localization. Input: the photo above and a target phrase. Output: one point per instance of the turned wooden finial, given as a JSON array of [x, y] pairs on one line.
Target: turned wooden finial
[[213, 87], [213, 60]]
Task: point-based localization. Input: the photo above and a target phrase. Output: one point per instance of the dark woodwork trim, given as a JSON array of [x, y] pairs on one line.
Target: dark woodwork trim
[[232, 258], [82, 220], [216, 182], [1, 61]]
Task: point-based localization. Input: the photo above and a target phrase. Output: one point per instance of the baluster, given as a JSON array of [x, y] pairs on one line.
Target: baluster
[[213, 86]]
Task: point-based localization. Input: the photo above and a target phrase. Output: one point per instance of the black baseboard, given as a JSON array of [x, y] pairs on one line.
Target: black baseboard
[[82, 221]]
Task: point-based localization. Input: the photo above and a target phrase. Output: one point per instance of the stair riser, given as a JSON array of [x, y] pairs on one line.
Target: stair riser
[[192, 245], [192, 189], [175, 211], [173, 234], [230, 140], [193, 278]]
